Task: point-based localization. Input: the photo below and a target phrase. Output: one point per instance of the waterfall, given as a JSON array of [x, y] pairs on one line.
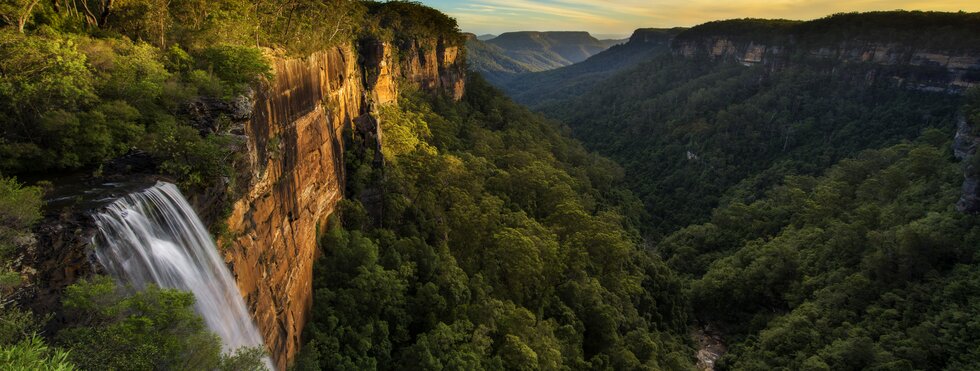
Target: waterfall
[[153, 236]]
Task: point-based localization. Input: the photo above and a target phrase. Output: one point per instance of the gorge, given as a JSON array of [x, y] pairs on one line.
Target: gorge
[[334, 185]]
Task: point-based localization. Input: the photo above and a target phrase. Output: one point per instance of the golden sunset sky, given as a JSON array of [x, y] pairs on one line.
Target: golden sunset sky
[[622, 17]]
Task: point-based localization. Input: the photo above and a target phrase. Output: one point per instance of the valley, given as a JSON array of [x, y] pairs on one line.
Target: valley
[[362, 185]]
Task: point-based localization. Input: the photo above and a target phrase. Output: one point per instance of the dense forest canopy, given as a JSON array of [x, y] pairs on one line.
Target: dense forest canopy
[[502, 244], [692, 133], [804, 212], [915, 29], [808, 209]]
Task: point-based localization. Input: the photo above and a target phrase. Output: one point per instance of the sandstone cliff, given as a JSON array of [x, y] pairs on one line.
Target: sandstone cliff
[[925, 51], [294, 172]]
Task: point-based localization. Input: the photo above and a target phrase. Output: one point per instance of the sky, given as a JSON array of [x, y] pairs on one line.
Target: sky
[[624, 16]]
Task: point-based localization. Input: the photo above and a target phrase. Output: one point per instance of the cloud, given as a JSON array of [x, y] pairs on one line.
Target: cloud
[[623, 16]]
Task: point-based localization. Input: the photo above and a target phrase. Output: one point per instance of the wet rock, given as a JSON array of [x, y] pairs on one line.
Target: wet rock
[[710, 347], [61, 255], [213, 115], [133, 162]]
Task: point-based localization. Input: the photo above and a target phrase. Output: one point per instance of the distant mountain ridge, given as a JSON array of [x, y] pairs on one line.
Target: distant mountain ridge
[[560, 48], [513, 53], [536, 88]]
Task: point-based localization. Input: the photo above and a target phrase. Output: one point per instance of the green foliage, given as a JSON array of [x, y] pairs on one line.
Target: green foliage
[[239, 66], [306, 26], [45, 81], [404, 131], [694, 133], [150, 329], [406, 22], [16, 13], [76, 102], [20, 209], [914, 29], [500, 243], [17, 325], [808, 208], [33, 354], [20, 346], [845, 278], [195, 161], [126, 71]]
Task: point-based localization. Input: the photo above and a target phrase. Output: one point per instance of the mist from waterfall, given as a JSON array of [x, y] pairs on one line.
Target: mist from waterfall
[[155, 237]]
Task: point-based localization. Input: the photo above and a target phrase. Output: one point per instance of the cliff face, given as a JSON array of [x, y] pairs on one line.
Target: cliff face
[[934, 70], [294, 175], [919, 50]]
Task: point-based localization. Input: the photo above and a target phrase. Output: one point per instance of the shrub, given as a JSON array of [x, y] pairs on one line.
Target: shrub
[[151, 329], [194, 160], [34, 355], [236, 65]]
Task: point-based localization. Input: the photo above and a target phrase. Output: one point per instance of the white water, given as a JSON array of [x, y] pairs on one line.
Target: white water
[[153, 236]]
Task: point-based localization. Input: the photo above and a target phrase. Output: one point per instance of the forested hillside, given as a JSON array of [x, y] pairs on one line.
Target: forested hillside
[[498, 243], [474, 235], [492, 61], [867, 266], [694, 132], [807, 199], [806, 191], [539, 88]]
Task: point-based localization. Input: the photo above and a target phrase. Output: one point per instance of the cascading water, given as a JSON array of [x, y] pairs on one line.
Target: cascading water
[[153, 236]]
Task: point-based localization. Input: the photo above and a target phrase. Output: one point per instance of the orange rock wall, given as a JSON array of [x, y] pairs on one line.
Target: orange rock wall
[[295, 169]]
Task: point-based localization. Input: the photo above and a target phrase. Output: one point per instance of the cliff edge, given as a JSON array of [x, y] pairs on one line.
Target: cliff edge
[[295, 174]]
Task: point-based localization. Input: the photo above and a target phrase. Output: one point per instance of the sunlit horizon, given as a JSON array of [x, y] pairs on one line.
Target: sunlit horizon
[[623, 17]]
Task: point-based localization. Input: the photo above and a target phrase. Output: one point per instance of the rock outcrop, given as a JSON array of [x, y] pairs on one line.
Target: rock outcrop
[[903, 46], [294, 173], [934, 70], [965, 149]]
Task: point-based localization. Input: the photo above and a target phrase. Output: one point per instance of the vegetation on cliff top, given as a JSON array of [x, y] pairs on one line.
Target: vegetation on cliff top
[[84, 83], [79, 89], [915, 29]]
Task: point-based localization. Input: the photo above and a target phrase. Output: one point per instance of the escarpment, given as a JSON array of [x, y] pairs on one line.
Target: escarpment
[[294, 173], [910, 57]]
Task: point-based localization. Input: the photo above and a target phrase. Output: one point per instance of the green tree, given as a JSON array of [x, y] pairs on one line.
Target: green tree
[[17, 12], [150, 329]]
